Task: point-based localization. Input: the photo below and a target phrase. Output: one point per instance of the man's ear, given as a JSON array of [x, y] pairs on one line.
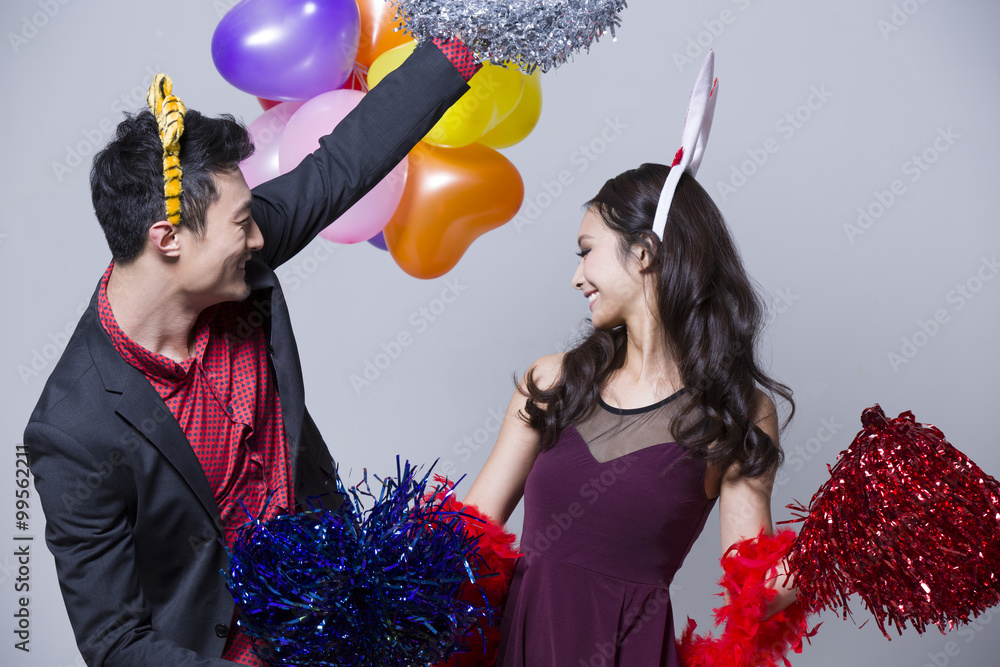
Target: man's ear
[[163, 238]]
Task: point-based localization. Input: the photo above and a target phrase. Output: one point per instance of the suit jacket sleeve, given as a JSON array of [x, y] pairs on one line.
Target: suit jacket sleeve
[[293, 208], [109, 614]]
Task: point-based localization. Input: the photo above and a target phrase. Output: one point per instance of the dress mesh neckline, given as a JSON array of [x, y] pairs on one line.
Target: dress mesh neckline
[[636, 411]]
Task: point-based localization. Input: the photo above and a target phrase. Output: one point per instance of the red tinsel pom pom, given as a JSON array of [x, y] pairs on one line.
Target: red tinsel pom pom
[[493, 571], [749, 639], [907, 522]]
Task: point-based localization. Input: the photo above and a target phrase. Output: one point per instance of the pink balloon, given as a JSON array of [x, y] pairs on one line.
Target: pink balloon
[[266, 131], [315, 119]]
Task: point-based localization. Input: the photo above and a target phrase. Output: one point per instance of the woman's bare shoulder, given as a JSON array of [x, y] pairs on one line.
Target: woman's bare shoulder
[[546, 371]]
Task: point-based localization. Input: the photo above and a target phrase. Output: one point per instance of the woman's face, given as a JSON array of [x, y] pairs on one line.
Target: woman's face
[[614, 289]]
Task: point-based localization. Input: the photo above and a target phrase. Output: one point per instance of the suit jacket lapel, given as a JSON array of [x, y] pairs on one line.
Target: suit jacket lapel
[[284, 354], [142, 407]]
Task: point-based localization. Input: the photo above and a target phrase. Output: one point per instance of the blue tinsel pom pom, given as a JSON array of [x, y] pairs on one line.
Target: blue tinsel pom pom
[[375, 587]]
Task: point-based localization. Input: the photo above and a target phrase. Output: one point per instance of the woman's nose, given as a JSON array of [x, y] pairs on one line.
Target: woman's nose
[[578, 276]]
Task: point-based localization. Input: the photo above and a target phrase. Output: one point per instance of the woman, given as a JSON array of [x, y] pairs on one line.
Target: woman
[[622, 445]]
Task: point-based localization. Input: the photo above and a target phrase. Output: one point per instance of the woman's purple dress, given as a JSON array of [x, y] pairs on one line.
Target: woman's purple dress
[[610, 513]]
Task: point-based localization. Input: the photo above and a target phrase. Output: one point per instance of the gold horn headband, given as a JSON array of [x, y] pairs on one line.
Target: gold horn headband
[[169, 112]]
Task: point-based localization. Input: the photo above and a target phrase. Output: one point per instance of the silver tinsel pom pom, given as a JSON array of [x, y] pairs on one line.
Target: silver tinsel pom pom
[[529, 33]]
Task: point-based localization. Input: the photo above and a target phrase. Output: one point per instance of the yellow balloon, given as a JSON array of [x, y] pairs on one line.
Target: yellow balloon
[[522, 119], [388, 61], [503, 84], [465, 122]]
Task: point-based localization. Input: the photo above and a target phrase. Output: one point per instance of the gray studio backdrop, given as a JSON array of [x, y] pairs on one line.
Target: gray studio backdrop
[[853, 152]]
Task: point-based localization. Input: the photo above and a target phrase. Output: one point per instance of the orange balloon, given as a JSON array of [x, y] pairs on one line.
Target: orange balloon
[[377, 35], [452, 197]]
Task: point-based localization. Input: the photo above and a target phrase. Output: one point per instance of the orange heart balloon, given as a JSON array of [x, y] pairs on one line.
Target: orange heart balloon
[[452, 197], [377, 30]]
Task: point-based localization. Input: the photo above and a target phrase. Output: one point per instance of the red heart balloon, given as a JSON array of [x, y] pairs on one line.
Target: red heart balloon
[[266, 104]]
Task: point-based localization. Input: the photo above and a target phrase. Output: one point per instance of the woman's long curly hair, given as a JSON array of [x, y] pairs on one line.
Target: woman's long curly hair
[[711, 315]]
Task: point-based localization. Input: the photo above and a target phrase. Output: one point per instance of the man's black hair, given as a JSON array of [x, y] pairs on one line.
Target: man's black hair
[[126, 180]]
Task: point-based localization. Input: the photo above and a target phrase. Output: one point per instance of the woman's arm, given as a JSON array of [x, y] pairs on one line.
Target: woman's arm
[[500, 484], [745, 506]]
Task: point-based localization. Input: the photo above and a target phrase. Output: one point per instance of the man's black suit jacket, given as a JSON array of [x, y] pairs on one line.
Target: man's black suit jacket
[[130, 517]]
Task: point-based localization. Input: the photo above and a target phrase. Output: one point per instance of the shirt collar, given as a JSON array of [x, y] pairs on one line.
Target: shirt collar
[[146, 361]]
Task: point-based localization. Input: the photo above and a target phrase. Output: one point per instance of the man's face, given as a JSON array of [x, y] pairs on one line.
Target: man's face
[[212, 266]]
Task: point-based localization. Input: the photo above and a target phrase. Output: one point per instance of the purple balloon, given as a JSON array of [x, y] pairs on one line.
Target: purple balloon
[[287, 49], [379, 241]]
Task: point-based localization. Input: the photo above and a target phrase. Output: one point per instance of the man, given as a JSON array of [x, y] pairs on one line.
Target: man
[[180, 395]]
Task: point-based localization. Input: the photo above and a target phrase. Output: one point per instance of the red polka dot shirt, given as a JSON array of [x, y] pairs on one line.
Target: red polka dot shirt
[[224, 397]]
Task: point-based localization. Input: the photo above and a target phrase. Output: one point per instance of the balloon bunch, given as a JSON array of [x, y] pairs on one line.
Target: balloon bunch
[[310, 62]]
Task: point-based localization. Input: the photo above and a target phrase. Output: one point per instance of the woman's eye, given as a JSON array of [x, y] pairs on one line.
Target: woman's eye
[[583, 253]]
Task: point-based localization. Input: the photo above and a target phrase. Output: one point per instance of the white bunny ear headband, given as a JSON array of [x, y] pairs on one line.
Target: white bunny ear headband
[[697, 125]]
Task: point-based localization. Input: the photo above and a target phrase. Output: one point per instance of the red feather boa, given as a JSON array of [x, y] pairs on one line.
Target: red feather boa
[[748, 638], [493, 575]]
